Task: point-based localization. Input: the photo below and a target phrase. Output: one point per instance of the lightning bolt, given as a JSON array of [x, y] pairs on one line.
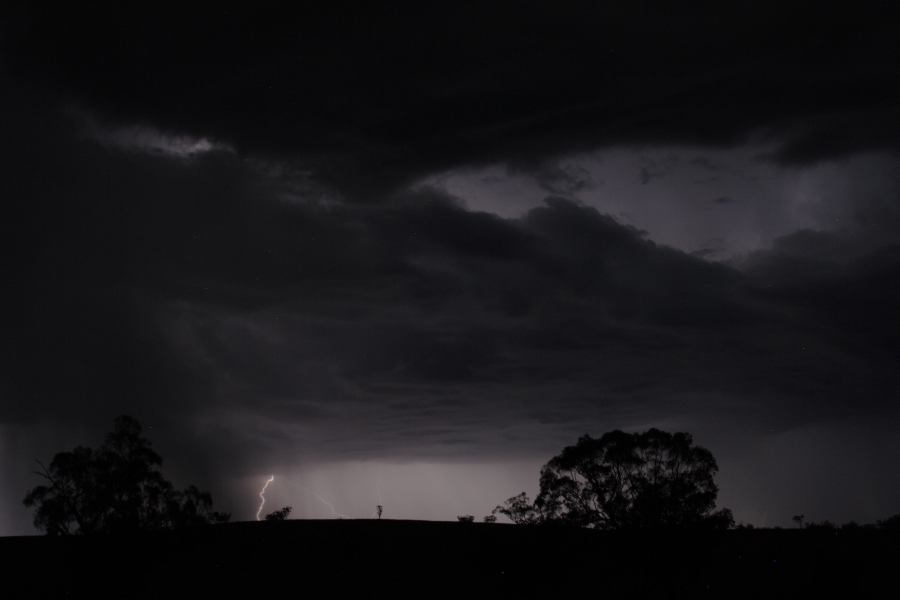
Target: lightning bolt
[[262, 500], [330, 506], [262, 495]]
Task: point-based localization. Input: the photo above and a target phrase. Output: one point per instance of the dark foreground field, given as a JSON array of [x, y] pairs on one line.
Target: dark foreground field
[[373, 559]]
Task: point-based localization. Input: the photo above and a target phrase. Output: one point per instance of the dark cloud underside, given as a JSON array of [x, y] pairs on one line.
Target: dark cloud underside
[[372, 97], [158, 281]]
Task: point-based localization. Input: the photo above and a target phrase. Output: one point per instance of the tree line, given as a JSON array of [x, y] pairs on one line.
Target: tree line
[[646, 480]]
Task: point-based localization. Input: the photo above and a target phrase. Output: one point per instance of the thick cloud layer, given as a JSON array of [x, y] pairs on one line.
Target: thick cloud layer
[[371, 97], [211, 228]]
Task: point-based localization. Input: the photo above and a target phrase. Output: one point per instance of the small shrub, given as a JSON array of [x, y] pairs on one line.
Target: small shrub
[[279, 515]]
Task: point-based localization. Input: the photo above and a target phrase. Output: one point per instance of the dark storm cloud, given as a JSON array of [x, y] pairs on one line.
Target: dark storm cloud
[[834, 136], [371, 98], [850, 294], [179, 289]]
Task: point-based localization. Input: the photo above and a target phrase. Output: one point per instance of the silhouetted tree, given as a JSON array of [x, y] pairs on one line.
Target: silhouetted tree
[[519, 510], [117, 487], [191, 507], [466, 518], [626, 480], [490, 519], [891, 523], [279, 515], [798, 519], [379, 509]]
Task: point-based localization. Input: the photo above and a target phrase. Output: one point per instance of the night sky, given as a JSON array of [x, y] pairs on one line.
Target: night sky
[[403, 256]]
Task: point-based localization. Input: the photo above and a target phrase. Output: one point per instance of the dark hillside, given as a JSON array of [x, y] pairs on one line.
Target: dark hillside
[[423, 559]]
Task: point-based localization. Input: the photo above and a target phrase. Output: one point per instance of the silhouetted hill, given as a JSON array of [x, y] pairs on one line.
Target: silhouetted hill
[[425, 559]]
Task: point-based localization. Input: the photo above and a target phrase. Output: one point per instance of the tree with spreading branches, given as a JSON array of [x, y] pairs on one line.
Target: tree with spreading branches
[[115, 488], [653, 479]]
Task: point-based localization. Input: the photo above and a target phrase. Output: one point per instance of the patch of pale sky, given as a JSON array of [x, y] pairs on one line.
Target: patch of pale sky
[[716, 202]]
